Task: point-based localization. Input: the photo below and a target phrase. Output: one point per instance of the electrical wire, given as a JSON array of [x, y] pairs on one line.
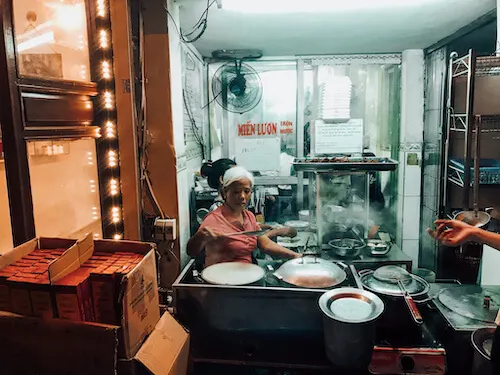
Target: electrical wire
[[204, 14], [194, 127], [211, 101], [201, 23]]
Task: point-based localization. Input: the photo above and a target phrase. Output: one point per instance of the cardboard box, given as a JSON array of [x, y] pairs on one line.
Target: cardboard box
[[137, 301], [73, 296], [136, 293], [56, 346], [17, 294]]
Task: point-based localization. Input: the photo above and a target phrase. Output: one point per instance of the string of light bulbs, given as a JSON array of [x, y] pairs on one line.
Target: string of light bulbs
[[111, 199]]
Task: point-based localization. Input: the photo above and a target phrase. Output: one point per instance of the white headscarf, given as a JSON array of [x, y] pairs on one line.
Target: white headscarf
[[236, 174]]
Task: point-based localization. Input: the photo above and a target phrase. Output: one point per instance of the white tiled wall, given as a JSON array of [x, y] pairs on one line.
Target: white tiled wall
[[410, 173]]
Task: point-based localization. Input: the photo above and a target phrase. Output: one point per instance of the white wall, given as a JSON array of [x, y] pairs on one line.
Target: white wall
[[188, 153], [411, 138]]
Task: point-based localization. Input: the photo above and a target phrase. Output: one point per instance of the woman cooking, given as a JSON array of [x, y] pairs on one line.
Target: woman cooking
[[233, 217], [214, 173]]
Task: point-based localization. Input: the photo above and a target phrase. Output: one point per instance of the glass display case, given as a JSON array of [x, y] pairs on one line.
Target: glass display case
[[64, 185], [59, 120], [52, 40]]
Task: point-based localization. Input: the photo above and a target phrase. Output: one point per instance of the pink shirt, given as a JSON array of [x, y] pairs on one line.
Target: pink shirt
[[230, 249]]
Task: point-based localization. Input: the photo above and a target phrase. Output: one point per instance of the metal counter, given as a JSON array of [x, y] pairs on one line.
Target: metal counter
[[365, 261], [262, 324]]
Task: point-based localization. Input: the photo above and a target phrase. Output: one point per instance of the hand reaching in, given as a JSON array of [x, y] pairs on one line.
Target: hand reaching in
[[452, 232]]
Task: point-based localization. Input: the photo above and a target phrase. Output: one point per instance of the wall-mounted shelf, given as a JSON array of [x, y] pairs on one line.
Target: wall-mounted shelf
[[463, 118]]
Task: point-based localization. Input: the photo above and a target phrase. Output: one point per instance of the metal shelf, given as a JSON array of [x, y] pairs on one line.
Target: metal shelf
[[354, 164]]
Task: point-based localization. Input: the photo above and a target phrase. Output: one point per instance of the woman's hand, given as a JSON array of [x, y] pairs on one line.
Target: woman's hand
[[210, 235], [453, 232], [287, 232]]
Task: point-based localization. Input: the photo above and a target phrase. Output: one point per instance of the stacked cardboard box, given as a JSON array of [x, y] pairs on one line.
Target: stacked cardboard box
[[103, 281], [89, 293], [25, 286], [106, 275]]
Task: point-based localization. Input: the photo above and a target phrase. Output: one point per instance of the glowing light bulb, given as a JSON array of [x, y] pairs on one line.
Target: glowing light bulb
[[106, 70], [117, 236], [110, 130], [101, 8], [113, 189], [108, 100], [103, 39]]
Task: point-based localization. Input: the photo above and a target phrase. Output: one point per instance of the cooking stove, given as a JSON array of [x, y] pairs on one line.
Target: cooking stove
[[272, 282], [414, 351]]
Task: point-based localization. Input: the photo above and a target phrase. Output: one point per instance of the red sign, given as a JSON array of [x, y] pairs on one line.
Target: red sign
[[266, 128], [249, 129]]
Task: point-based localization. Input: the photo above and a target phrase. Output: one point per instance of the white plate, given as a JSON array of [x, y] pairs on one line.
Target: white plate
[[232, 273], [351, 308]]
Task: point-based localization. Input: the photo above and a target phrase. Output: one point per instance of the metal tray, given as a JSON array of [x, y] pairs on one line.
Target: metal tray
[[363, 164]]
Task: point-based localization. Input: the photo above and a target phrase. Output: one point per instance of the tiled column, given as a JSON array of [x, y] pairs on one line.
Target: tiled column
[[410, 152]]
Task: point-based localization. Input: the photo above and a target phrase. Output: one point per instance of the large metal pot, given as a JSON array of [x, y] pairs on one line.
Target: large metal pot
[[346, 247], [482, 340], [349, 316], [310, 272]]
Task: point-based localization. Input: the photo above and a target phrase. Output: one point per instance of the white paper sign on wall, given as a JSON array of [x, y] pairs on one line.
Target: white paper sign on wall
[[258, 154], [339, 138]]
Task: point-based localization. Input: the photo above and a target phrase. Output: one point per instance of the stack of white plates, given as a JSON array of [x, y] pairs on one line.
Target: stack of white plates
[[334, 102]]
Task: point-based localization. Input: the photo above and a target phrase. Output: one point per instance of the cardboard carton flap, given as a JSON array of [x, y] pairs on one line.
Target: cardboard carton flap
[[17, 253], [140, 303], [124, 246], [55, 243], [72, 258], [64, 265], [166, 350]]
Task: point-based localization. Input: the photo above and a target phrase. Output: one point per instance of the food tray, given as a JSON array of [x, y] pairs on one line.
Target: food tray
[[489, 170], [344, 163]]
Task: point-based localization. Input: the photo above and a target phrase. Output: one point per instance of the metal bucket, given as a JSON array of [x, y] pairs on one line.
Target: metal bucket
[[349, 317], [482, 340]]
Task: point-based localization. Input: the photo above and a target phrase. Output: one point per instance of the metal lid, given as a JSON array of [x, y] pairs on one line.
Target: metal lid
[[351, 305], [468, 301], [391, 274], [415, 287], [311, 272], [233, 273]]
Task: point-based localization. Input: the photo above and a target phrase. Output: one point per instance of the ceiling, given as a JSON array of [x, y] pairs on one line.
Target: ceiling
[[391, 29]]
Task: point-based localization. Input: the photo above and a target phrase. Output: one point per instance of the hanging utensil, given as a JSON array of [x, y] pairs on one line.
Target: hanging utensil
[[475, 218], [415, 312], [400, 276]]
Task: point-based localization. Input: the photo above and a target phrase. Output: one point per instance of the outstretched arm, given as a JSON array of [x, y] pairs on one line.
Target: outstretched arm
[[270, 247], [456, 233]]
